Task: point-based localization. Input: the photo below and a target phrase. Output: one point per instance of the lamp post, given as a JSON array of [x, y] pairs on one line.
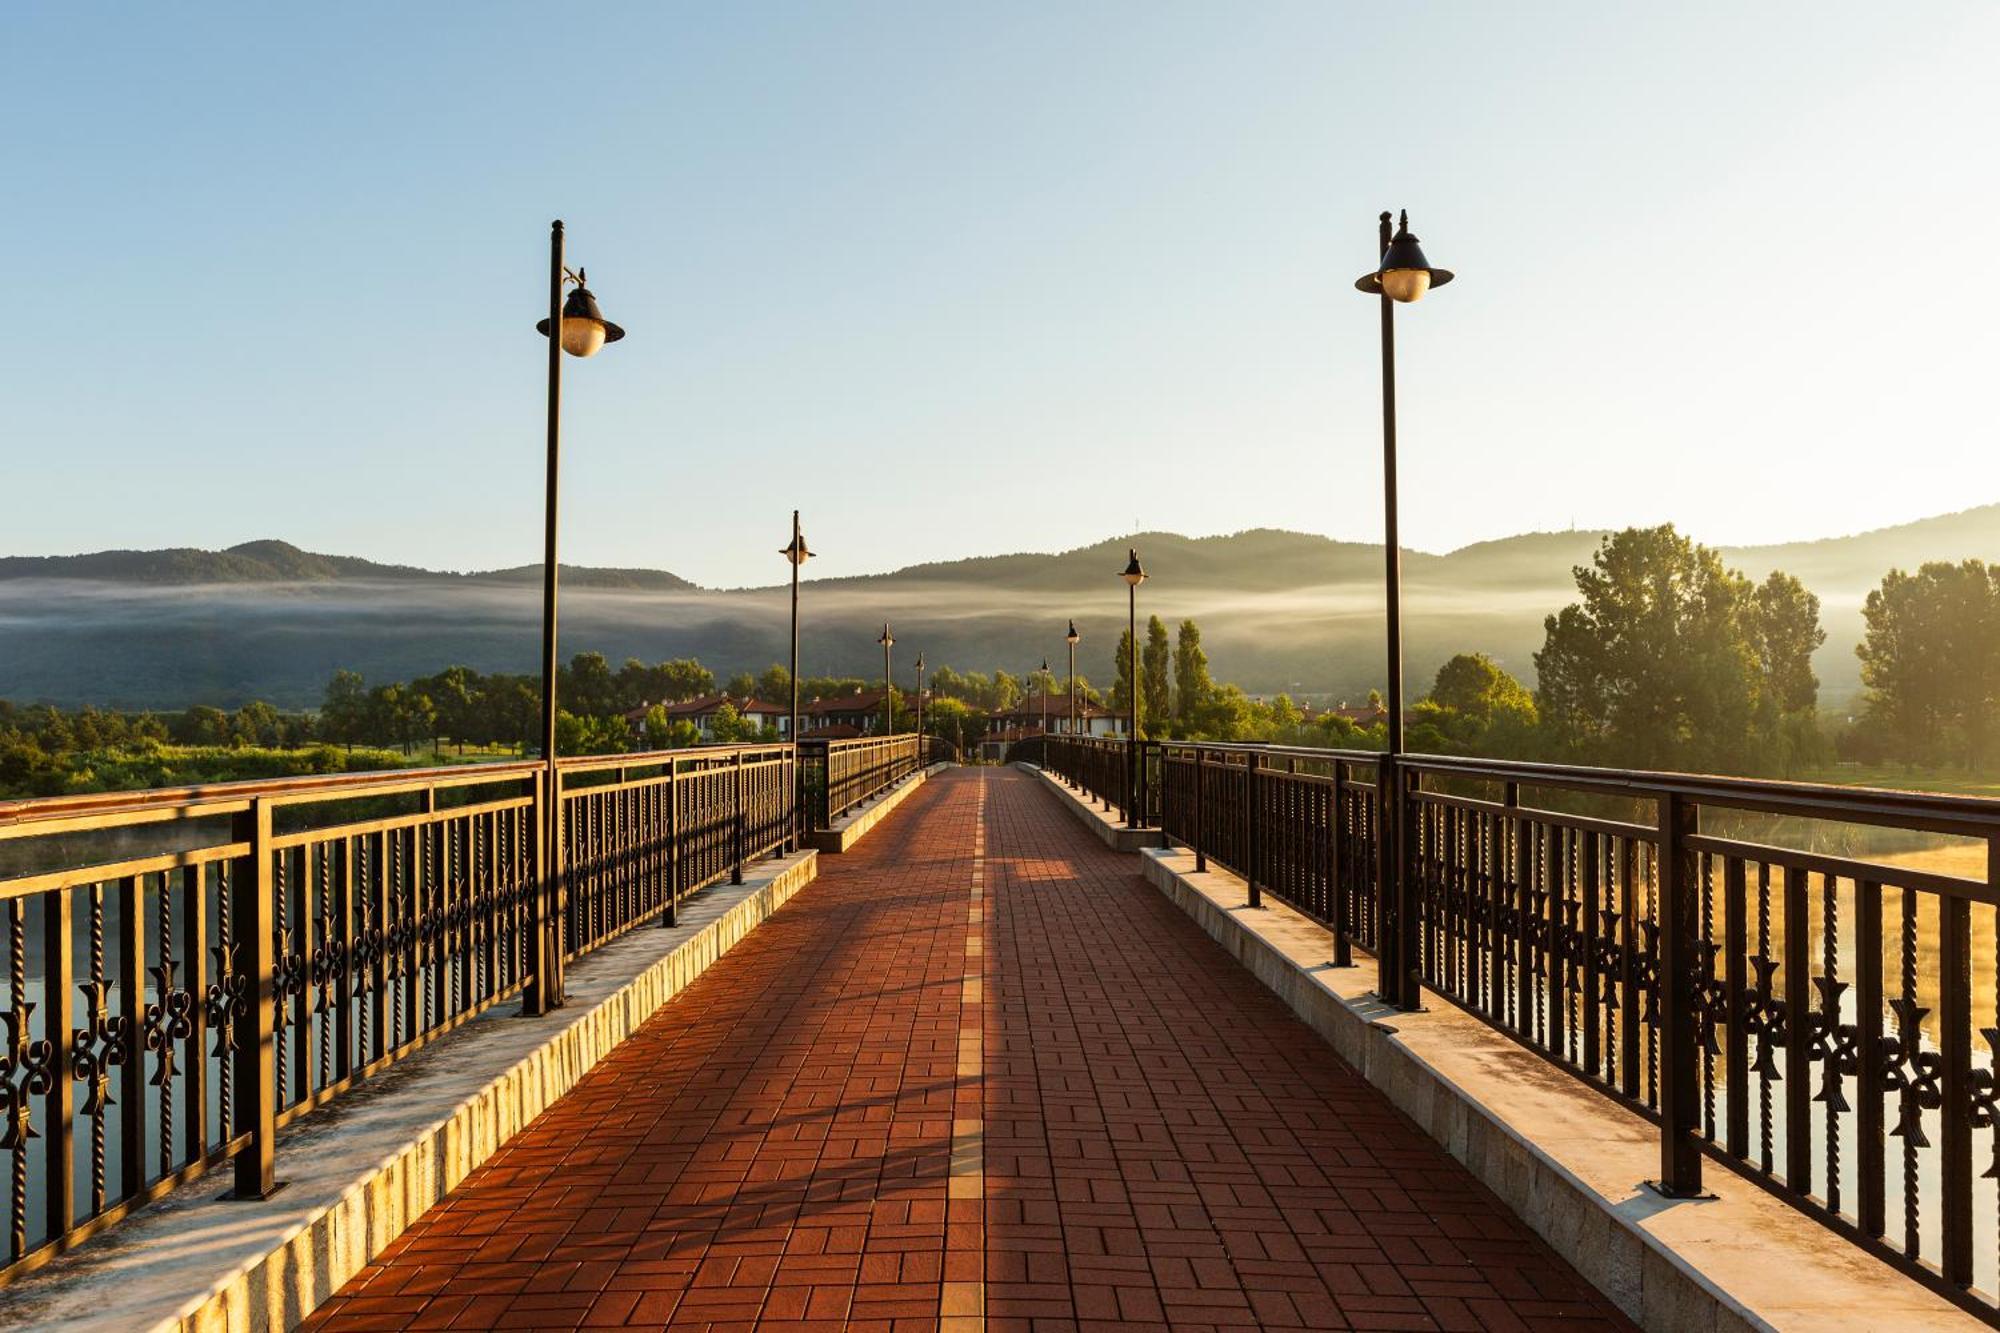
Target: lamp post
[[1403, 276], [920, 698], [888, 641], [1071, 639], [577, 327], [1134, 575], [1045, 700], [796, 554]]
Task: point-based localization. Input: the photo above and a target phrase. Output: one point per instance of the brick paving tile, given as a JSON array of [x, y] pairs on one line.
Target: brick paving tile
[[977, 1076]]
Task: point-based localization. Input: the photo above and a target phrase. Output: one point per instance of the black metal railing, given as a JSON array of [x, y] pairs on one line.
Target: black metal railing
[[841, 774], [1799, 981], [187, 971]]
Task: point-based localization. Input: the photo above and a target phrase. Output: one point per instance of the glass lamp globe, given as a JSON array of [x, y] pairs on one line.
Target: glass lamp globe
[[582, 336]]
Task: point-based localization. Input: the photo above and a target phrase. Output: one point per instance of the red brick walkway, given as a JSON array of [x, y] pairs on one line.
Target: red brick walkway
[[978, 1076]]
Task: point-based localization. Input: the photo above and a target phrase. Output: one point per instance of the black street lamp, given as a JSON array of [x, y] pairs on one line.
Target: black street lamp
[[1134, 575], [1071, 638], [1403, 275], [920, 696], [888, 641], [574, 326], [796, 554]]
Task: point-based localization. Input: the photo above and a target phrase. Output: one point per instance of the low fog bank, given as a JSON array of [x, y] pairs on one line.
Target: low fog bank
[[72, 642]]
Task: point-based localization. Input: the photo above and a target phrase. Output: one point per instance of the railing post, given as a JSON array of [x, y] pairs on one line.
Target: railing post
[[1385, 877], [1200, 838], [1336, 867], [736, 825], [1680, 1105], [1409, 897], [255, 1077], [1396, 915], [1253, 828], [672, 915], [543, 992], [1955, 1118]]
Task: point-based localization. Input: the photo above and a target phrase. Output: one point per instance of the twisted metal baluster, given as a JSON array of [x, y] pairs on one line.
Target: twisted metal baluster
[[1831, 1091], [165, 974], [99, 1080], [1705, 959], [328, 980], [220, 1015], [1660, 979], [17, 1128], [1766, 1039], [281, 990], [396, 882], [1908, 1017], [370, 928]]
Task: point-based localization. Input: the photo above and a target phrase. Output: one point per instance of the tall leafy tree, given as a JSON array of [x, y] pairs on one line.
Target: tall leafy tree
[[1156, 705], [1930, 660], [1192, 682], [1658, 664], [344, 710], [1121, 689]]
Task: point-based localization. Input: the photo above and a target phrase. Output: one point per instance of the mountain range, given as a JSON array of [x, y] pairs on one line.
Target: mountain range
[[1278, 610]]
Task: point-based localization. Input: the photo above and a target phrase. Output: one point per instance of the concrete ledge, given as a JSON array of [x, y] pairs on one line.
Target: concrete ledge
[[850, 827], [1567, 1160], [362, 1168], [1104, 823]]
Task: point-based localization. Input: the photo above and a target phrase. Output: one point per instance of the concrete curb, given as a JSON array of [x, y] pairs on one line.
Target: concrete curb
[[1742, 1260], [1103, 823], [851, 827], [361, 1169]]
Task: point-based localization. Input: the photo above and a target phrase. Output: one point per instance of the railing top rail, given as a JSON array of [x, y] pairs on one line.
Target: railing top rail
[[1974, 816], [219, 798], [851, 742]]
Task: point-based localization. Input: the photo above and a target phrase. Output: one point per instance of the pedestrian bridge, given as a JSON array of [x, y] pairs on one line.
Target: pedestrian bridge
[[985, 1066]]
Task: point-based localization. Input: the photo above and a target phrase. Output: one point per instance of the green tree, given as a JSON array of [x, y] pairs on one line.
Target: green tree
[[1121, 687], [1475, 707], [1659, 664], [587, 687], [1156, 707], [774, 686], [742, 685], [199, 725], [1192, 683], [344, 708], [1930, 659], [728, 726]]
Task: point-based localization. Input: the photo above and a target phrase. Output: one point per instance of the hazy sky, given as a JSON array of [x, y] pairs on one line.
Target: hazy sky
[[959, 280]]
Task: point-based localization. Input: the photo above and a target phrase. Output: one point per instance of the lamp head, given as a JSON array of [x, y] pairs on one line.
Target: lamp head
[[585, 330], [1134, 574], [887, 638], [795, 550], [1072, 636], [1404, 275]]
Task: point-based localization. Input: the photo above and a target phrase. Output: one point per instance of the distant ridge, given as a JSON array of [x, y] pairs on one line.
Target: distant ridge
[[1254, 560], [273, 561]]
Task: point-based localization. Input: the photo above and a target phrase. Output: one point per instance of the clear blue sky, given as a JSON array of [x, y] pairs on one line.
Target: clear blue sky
[[959, 280]]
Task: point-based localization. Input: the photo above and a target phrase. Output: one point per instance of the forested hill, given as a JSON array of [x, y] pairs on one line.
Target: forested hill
[[271, 561], [1279, 611]]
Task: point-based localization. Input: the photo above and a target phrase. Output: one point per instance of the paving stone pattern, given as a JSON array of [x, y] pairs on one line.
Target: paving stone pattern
[[977, 1076]]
